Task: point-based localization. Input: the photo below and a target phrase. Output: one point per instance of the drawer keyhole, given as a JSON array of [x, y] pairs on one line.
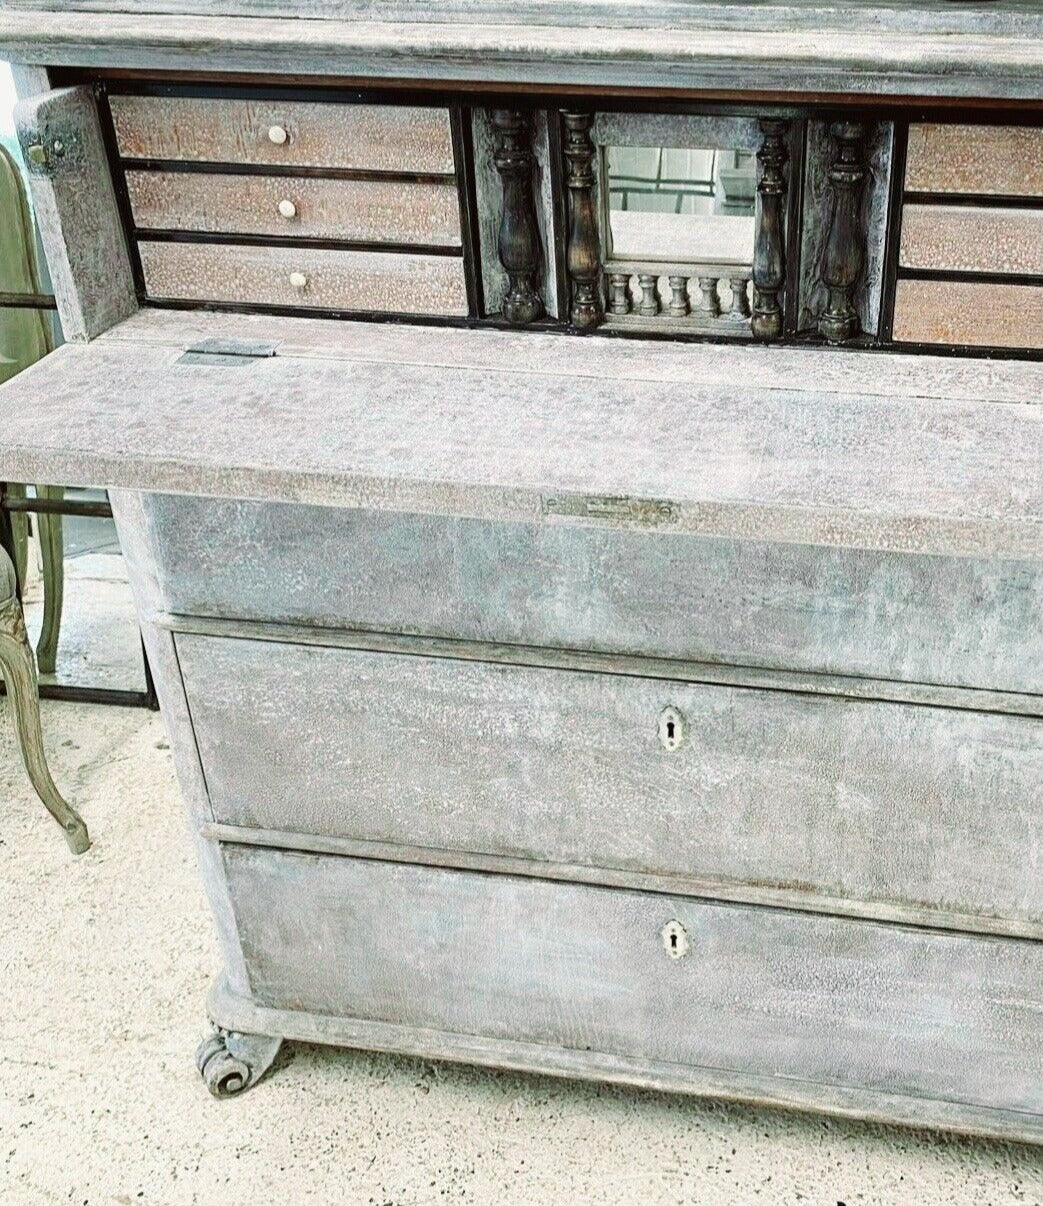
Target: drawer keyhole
[[673, 729], [675, 940]]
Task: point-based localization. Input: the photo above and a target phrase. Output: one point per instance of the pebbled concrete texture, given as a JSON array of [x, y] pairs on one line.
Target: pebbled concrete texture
[[105, 961]]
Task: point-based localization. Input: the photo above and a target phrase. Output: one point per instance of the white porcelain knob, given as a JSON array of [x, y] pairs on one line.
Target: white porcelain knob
[[278, 135], [287, 208], [298, 280]]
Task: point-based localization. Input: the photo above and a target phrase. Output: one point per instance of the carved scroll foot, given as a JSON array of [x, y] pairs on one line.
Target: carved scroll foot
[[19, 672], [231, 1062]]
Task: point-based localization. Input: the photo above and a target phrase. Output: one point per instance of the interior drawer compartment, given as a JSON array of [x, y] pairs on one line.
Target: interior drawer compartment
[[969, 313], [296, 206], [948, 620], [319, 134], [821, 797], [769, 993], [371, 281], [975, 160]]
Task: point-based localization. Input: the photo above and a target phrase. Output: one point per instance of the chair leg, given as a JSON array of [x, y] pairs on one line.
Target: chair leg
[[53, 553], [19, 671], [19, 535]]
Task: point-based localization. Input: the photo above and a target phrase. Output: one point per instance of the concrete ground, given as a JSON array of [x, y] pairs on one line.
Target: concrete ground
[[105, 961]]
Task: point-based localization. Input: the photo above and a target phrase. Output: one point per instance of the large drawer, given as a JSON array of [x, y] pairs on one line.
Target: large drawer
[[770, 993], [375, 281], [381, 138], [296, 206], [952, 621], [844, 800]]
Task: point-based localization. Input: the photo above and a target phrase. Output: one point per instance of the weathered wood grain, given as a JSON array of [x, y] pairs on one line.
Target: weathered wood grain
[[587, 448], [974, 313], [975, 159], [403, 283], [75, 209], [814, 795], [762, 992], [980, 52], [664, 363], [401, 138], [950, 621], [353, 210], [970, 238]]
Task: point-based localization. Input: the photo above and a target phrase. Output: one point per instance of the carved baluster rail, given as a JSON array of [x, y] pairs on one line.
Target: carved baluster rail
[[620, 298], [769, 249], [679, 303], [584, 258], [519, 242], [650, 301], [844, 253]]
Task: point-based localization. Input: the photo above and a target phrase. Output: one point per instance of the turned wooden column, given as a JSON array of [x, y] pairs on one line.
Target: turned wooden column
[[583, 258], [519, 241], [844, 253], [769, 248]]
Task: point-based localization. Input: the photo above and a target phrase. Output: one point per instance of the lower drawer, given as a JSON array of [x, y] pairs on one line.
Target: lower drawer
[[823, 797], [373, 281], [762, 992], [946, 620]]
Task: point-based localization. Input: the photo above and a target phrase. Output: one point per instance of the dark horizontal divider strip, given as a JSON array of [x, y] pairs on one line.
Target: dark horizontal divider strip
[[981, 200], [84, 509], [27, 301], [963, 277], [393, 316], [252, 240], [285, 169]]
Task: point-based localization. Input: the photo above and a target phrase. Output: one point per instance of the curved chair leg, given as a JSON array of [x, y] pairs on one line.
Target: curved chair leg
[[53, 552], [19, 671]]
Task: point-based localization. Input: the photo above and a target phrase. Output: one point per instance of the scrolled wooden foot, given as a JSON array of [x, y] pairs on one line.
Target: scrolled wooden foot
[[231, 1062], [19, 673]]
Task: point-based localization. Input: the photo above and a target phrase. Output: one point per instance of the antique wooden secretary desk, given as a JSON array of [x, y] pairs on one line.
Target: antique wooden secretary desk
[[581, 471]]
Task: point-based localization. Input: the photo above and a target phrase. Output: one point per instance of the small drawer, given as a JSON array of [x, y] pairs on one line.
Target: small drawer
[[306, 207], [975, 160], [771, 993], [970, 238], [969, 313], [377, 138], [370, 281], [815, 795]]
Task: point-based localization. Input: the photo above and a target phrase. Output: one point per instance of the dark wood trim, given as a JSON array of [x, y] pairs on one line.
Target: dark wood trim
[[843, 257], [979, 200], [467, 197], [235, 238], [219, 168], [583, 256], [518, 241], [893, 233], [769, 249], [963, 276], [56, 506], [794, 228], [558, 236]]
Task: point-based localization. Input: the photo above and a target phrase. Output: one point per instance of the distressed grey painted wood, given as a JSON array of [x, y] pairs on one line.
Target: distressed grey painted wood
[[315, 134], [951, 478], [359, 210], [962, 622], [696, 131], [851, 800], [392, 282], [76, 211], [162, 658], [665, 364], [235, 1011], [792, 47], [761, 992], [972, 313]]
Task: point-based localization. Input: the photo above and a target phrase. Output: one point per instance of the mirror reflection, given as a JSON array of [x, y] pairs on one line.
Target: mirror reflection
[[669, 203]]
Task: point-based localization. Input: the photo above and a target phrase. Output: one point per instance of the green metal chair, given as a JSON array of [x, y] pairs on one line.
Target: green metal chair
[[25, 337]]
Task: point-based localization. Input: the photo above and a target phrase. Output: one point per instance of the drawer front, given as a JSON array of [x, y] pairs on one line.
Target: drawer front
[[380, 138], [760, 991], [375, 281], [951, 621], [865, 801], [969, 238], [975, 160], [295, 206], [972, 313]]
